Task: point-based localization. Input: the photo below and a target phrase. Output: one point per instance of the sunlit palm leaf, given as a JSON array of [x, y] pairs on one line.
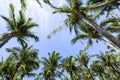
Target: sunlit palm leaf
[[23, 3], [58, 28], [80, 36]]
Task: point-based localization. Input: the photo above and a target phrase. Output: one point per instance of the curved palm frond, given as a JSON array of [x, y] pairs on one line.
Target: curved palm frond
[[81, 36], [111, 24], [69, 66], [100, 6], [58, 28], [23, 4], [39, 3]]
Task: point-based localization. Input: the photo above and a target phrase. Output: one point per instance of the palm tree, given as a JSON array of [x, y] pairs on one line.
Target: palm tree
[[111, 64], [91, 35], [69, 65], [83, 61], [19, 28], [112, 25], [21, 63], [76, 12], [51, 66]]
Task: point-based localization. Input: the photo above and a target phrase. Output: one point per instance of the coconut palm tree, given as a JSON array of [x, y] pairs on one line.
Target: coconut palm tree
[[106, 67], [76, 12], [91, 35], [69, 66], [111, 64], [112, 25], [51, 66], [83, 61], [20, 63], [19, 28]]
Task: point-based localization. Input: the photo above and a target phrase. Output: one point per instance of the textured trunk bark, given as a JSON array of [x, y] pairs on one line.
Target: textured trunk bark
[[103, 32], [110, 44]]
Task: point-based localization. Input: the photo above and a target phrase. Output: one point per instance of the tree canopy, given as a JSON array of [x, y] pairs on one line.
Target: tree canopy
[[92, 21]]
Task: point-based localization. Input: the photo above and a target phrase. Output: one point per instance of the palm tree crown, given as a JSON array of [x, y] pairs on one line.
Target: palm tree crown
[[20, 63], [51, 66], [19, 28]]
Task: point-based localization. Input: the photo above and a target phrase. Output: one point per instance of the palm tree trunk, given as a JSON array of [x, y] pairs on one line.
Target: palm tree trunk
[[110, 44], [102, 31], [6, 40]]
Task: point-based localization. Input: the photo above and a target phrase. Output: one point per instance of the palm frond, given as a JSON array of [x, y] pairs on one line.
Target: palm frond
[[9, 22], [106, 21], [83, 58], [4, 36], [98, 12], [12, 15], [31, 25], [58, 28], [118, 36], [13, 51], [49, 3], [83, 27], [111, 24], [113, 29], [69, 23], [89, 43], [24, 5], [74, 3], [62, 9], [22, 41], [39, 3], [21, 19], [31, 35], [80, 36], [100, 6]]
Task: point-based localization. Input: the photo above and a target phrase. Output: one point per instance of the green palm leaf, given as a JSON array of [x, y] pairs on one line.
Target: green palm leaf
[[81, 36]]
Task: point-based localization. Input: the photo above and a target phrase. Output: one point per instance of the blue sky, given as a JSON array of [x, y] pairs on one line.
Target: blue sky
[[60, 42]]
